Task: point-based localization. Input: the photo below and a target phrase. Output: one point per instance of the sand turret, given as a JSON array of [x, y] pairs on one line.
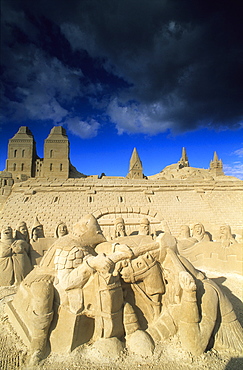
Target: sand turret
[[135, 167], [216, 165]]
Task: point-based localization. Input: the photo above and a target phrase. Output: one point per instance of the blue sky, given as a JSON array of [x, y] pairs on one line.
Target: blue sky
[[156, 75]]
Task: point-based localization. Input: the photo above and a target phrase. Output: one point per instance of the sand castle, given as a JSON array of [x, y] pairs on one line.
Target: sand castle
[[134, 241]]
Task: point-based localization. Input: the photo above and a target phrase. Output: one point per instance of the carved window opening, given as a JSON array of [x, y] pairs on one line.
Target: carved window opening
[[26, 199], [178, 199], [23, 153], [121, 199], [15, 153], [51, 153], [51, 167], [4, 182], [60, 166], [90, 199], [55, 200], [14, 167], [149, 199], [22, 166]]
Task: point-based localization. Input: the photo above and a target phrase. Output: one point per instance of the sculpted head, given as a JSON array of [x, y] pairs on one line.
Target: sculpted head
[[225, 232], [144, 227], [198, 229], [87, 227], [22, 231], [184, 231], [61, 230], [120, 226], [22, 227], [6, 233], [38, 232]]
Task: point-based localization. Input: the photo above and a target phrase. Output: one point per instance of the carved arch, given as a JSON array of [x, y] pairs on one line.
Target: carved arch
[[131, 215]]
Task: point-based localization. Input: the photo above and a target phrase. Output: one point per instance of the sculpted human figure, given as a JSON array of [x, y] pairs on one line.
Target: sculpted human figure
[[75, 264], [159, 284], [61, 230], [184, 232], [184, 239], [14, 260], [22, 232], [198, 232], [119, 227], [144, 227], [37, 231], [225, 236]]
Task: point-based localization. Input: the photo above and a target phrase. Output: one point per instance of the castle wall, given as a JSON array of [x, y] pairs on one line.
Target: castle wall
[[173, 202], [176, 202]]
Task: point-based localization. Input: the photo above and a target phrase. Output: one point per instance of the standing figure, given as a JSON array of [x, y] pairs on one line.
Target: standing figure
[[14, 260]]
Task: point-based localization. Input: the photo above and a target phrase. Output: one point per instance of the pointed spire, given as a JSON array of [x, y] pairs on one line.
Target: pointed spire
[[215, 157], [183, 162], [135, 167], [216, 165], [135, 160], [184, 155]]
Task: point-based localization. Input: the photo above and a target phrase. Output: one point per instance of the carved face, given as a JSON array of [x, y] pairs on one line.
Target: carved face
[[6, 233], [185, 231], [225, 231], [120, 227], [144, 229], [23, 229], [198, 229], [38, 232], [61, 230]]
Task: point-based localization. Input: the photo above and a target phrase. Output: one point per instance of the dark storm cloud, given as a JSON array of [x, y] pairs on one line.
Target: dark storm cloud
[[180, 63]]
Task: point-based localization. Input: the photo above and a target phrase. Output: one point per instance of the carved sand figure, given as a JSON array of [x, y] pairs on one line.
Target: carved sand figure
[[61, 230], [225, 236], [144, 227], [37, 231], [199, 233], [14, 259], [184, 239], [22, 232], [184, 232], [75, 263], [119, 227], [164, 294], [191, 304]]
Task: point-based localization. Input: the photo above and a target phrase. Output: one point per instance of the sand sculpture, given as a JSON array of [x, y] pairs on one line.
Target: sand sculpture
[[124, 275], [131, 291], [120, 229], [15, 261]]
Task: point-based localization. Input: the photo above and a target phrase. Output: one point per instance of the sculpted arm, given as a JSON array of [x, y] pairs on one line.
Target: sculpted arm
[[195, 329]]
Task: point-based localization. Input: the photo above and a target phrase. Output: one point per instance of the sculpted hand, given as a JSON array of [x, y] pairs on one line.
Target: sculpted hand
[[17, 248], [187, 282], [101, 263]]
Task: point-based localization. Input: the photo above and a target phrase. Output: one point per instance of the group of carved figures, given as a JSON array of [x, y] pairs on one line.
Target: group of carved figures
[[137, 289], [15, 250]]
